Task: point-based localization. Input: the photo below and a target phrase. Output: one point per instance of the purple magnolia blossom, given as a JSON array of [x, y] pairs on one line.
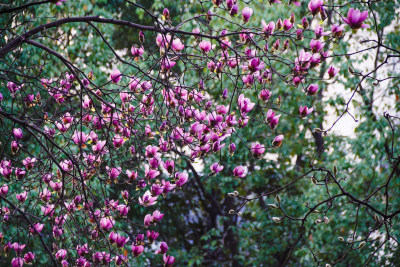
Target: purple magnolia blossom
[[355, 19], [163, 248], [17, 132], [17, 262], [332, 71], [205, 46], [115, 76], [234, 10], [319, 31], [312, 89], [147, 199], [257, 150], [316, 46], [277, 142], [337, 30], [177, 45], [168, 260], [137, 52], [264, 95], [246, 14], [4, 190], [216, 168], [107, 223], [315, 6], [137, 250], [255, 64], [269, 28], [157, 216], [287, 25], [22, 197], [181, 178], [239, 171], [304, 111], [245, 105]]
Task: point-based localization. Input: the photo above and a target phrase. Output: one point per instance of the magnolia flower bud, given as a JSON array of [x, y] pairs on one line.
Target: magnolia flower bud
[[277, 219], [231, 211], [273, 206], [278, 199], [341, 238], [362, 244]]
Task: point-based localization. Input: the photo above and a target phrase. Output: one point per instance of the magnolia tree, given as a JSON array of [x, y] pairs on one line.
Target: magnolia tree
[[80, 153]]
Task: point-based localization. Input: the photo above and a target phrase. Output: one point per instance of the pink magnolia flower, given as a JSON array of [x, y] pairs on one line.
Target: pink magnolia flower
[[319, 31], [316, 46], [157, 216], [115, 76], [163, 248], [255, 64], [132, 175], [287, 25], [57, 186], [14, 147], [234, 10], [168, 187], [264, 95], [181, 178], [22, 197], [147, 199], [18, 247], [137, 250], [257, 149], [17, 132], [156, 189], [61, 254], [269, 28], [166, 14], [168, 260], [137, 52], [205, 46], [80, 138], [17, 262], [312, 89], [246, 14], [150, 173], [4, 190], [315, 6], [36, 228], [337, 30], [277, 142], [216, 168], [355, 19], [121, 240], [118, 141], [239, 171], [163, 40], [245, 105], [113, 173], [99, 147], [167, 64], [332, 71], [13, 88], [304, 111], [29, 163], [148, 220], [107, 223], [177, 45], [169, 165], [151, 236], [29, 257]]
